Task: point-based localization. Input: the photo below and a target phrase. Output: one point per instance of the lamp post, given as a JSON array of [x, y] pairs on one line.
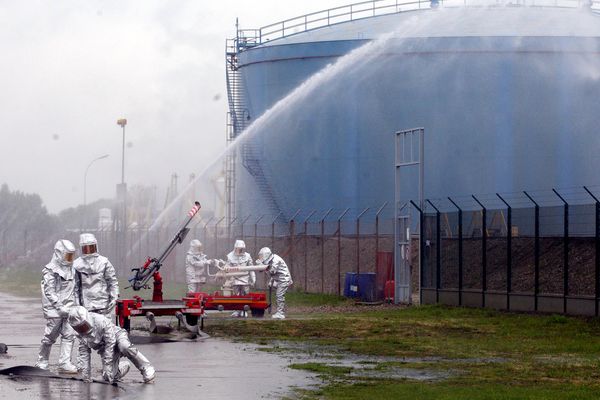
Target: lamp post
[[122, 196], [85, 187], [122, 122]]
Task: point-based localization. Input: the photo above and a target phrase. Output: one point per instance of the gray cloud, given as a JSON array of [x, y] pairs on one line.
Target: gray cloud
[[70, 69]]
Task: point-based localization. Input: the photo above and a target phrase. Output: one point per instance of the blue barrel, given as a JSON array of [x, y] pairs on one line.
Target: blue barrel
[[367, 286], [362, 287], [351, 285]]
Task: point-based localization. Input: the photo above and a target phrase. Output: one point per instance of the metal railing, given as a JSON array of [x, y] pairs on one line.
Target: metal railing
[[375, 8]]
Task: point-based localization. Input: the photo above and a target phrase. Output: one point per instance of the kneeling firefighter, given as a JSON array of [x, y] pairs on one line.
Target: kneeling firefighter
[[112, 343]]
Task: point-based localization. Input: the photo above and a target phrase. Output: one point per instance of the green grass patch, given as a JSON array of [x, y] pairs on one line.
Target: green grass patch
[[488, 354], [323, 369], [381, 389], [299, 299]]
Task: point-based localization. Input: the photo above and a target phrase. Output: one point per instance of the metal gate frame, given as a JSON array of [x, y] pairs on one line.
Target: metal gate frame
[[406, 155]]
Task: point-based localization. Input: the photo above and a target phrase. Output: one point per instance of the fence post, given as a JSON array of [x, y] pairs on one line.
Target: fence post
[[358, 239], [292, 234], [421, 250], [204, 234], [438, 252], [217, 235], [273, 231], [377, 229], [158, 232], [229, 229], [339, 252], [242, 230], [256, 231], [565, 250], [484, 250], [597, 247], [323, 250], [306, 251], [460, 251], [536, 252], [147, 242], [508, 251]]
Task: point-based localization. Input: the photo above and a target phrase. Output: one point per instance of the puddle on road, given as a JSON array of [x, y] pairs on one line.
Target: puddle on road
[[365, 366]]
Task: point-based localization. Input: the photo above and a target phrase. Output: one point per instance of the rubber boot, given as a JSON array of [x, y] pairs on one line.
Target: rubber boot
[[278, 315], [43, 356], [64, 361], [142, 364]]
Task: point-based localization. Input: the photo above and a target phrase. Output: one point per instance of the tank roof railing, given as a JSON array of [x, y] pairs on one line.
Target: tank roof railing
[[374, 8], [336, 15]]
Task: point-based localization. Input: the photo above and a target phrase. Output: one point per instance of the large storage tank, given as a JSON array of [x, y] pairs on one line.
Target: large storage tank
[[508, 96]]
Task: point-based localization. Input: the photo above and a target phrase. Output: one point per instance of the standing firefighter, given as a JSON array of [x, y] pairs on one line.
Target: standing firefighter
[[196, 264], [280, 277], [241, 284], [98, 280], [98, 286], [59, 290], [98, 333], [237, 258]]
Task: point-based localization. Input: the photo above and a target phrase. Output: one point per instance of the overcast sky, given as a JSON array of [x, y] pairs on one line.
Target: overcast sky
[[71, 68]]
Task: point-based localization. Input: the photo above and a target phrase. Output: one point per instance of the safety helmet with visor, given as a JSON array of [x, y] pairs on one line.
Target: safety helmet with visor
[[79, 320], [239, 247], [88, 243], [196, 246], [265, 255], [64, 251]]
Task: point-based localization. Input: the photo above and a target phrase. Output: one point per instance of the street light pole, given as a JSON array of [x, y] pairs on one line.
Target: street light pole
[[85, 187], [122, 122], [122, 196]]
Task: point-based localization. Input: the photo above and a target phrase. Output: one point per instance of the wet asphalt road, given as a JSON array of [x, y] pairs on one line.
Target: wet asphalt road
[[207, 369]]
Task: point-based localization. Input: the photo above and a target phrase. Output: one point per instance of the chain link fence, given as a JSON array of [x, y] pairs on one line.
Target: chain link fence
[[319, 246], [523, 251]]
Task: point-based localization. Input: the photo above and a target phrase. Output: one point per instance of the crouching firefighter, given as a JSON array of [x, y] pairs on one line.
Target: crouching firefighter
[[96, 332], [59, 291], [280, 278]]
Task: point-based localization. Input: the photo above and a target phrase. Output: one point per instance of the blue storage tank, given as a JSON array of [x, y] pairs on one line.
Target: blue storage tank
[[507, 96]]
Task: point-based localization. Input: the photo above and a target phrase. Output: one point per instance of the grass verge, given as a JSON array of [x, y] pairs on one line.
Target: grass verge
[[488, 354]]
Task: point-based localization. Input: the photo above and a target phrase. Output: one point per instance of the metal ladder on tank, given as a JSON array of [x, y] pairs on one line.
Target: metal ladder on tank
[[239, 119]]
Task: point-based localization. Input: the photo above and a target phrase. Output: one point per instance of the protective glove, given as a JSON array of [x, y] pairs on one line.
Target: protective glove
[[87, 379], [271, 282], [63, 312]]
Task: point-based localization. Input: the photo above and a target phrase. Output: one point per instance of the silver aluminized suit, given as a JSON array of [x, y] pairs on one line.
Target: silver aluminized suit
[[59, 291], [195, 270], [99, 288], [241, 284], [111, 342], [281, 279]]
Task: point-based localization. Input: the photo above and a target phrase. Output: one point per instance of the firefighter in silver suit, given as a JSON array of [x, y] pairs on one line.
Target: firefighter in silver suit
[[59, 291]]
